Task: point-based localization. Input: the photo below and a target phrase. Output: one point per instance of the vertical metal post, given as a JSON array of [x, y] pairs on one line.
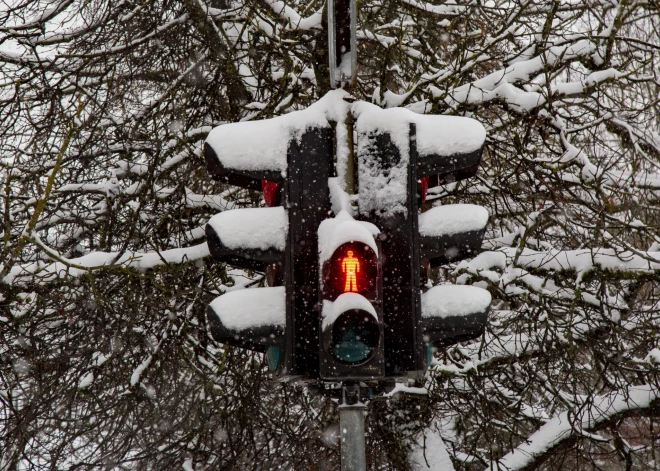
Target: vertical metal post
[[332, 44], [351, 425], [342, 39], [353, 77], [351, 429]]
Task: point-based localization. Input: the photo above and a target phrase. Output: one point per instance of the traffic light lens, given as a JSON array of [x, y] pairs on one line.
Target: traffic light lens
[[353, 268], [355, 337]]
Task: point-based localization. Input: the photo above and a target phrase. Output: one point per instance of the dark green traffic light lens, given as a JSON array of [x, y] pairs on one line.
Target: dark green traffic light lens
[[355, 336]]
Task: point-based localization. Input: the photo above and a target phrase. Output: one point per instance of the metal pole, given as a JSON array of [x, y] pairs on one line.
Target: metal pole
[[342, 39], [353, 77], [332, 44], [351, 426]]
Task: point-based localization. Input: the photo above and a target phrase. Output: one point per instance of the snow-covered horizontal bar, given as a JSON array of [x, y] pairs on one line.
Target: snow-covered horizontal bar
[[251, 228], [452, 232], [452, 219], [263, 145], [452, 314], [447, 135], [249, 318], [248, 238], [454, 300], [435, 134]]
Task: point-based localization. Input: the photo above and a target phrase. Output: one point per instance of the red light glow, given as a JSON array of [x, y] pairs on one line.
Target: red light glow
[[350, 265], [353, 268]]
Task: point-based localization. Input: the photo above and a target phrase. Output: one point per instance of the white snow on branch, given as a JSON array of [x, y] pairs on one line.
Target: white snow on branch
[[499, 84], [400, 388], [86, 380], [294, 19], [137, 373], [429, 453], [448, 9], [98, 260], [581, 260], [563, 426]]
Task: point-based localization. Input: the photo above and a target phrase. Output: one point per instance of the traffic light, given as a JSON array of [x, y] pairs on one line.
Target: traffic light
[[405, 154], [351, 343], [285, 158], [345, 300]]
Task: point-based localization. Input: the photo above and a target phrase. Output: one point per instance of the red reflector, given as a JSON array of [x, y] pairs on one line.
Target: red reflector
[[350, 266], [425, 187], [269, 190]]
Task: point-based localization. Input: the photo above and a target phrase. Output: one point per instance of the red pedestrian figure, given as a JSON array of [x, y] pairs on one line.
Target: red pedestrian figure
[[351, 266]]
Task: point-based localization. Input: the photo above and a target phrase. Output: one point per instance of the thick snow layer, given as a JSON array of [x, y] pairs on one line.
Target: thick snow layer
[[454, 300], [263, 145], [340, 200], [246, 308], [343, 228], [447, 135], [345, 302], [385, 189], [452, 219], [252, 228]]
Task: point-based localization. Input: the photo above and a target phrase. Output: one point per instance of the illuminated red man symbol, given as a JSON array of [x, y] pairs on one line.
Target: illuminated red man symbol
[[351, 266]]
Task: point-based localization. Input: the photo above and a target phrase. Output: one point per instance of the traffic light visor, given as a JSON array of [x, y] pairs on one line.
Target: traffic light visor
[[355, 336]]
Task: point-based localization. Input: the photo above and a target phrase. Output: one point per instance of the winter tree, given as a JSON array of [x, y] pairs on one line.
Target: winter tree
[[106, 361]]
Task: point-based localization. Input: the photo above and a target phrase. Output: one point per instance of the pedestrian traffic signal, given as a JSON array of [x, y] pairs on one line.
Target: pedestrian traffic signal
[[351, 344]]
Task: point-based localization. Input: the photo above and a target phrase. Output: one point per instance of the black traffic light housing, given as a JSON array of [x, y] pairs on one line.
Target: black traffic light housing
[[408, 333], [315, 327], [281, 239]]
